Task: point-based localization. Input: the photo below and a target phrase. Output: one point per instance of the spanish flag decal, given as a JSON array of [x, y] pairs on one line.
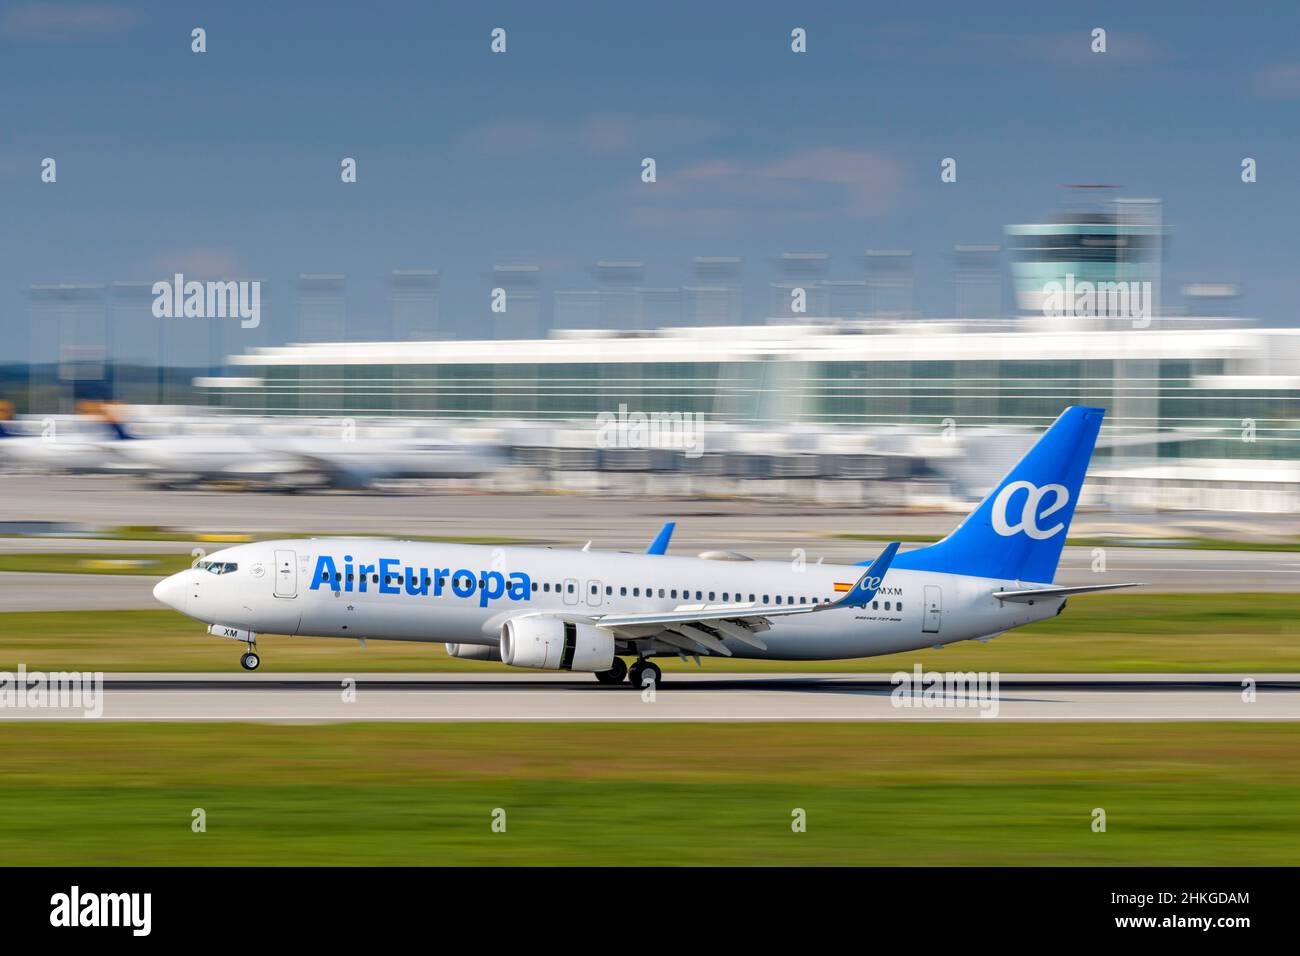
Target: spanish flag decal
[[842, 587]]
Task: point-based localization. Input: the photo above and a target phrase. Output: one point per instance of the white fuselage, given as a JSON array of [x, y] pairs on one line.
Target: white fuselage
[[277, 587]]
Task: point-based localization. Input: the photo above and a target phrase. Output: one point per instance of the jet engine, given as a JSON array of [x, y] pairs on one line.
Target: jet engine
[[553, 644]]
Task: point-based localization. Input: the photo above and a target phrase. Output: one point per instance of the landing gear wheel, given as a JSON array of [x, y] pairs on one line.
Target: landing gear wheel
[[617, 671], [250, 661], [638, 672]]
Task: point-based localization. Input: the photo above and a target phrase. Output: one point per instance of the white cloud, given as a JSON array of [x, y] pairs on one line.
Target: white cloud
[[601, 134], [1278, 81], [66, 21], [813, 183]]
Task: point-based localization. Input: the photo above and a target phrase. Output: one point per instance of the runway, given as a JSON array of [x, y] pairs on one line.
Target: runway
[[32, 591], [687, 697]]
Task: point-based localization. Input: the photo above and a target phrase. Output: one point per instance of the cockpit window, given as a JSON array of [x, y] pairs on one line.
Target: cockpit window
[[217, 567]]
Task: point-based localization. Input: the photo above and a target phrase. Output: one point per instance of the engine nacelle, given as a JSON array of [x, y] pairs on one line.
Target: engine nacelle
[[474, 652], [553, 644]]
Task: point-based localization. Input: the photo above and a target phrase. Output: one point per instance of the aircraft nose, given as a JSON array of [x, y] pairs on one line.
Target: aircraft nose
[[171, 591]]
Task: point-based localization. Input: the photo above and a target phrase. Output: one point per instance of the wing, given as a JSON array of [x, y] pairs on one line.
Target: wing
[[692, 628]]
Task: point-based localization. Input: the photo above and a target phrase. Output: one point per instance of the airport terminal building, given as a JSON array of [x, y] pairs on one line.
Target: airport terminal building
[[1202, 413]]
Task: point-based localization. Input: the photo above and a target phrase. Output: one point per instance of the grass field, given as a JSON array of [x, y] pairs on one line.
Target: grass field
[[1115, 632], [888, 794], [153, 565]]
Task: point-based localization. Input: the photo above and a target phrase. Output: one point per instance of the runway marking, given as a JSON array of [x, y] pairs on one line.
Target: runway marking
[[780, 697]]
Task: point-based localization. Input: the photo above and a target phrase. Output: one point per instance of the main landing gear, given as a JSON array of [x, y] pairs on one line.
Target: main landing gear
[[643, 669], [636, 674], [615, 674], [249, 661]]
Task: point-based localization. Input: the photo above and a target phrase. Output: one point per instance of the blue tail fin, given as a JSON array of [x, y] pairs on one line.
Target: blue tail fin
[[660, 544], [1018, 531]]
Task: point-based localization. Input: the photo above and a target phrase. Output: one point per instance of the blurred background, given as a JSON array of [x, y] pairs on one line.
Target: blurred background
[[709, 265]]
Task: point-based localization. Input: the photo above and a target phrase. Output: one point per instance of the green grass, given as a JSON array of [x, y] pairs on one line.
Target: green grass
[[1105, 632], [58, 562], [889, 794]]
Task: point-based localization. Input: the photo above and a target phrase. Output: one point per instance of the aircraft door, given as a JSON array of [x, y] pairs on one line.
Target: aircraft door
[[933, 609], [286, 574], [571, 591], [593, 593]]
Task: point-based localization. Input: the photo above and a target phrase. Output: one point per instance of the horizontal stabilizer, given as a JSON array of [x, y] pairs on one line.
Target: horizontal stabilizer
[[1033, 593]]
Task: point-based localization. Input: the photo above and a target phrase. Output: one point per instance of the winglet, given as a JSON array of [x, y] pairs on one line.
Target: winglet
[[119, 433], [869, 583], [660, 543]]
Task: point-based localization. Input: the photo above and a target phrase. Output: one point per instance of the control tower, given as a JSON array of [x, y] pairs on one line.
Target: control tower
[[1095, 263]]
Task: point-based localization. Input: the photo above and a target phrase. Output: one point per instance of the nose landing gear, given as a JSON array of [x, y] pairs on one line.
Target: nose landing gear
[[250, 661]]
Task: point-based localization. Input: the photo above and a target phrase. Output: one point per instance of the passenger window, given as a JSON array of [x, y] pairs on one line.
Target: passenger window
[[712, 595], [898, 606], [699, 595], [766, 599], [803, 599], [875, 605], [661, 592], [569, 589], [546, 586], [374, 579], [674, 592], [726, 595], [636, 592], [534, 587], [886, 605], [622, 592], [608, 589], [778, 599], [751, 599]]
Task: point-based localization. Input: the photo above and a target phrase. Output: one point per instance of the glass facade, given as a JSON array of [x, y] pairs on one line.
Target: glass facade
[[1143, 396]]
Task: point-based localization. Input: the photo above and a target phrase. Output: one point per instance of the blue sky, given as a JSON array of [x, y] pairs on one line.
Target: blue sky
[[229, 161]]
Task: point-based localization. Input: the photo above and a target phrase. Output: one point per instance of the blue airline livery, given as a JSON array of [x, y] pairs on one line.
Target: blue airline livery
[[554, 609], [390, 576]]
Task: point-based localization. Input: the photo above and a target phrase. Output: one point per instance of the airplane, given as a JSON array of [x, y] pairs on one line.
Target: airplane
[[61, 445], [585, 611], [282, 460]]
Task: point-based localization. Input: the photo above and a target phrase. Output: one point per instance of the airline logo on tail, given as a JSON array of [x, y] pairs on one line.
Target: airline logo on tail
[[1031, 510]]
